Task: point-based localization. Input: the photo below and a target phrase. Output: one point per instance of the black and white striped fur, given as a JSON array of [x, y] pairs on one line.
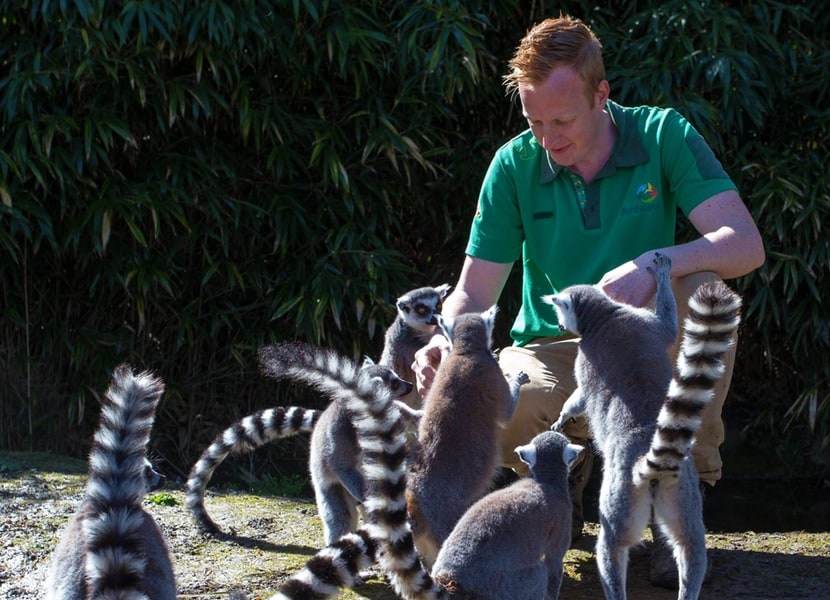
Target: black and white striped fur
[[709, 332], [386, 536], [246, 434], [642, 419], [333, 457], [112, 547], [383, 445]]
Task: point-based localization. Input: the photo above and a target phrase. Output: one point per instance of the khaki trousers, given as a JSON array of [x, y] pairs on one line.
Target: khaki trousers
[[549, 362]]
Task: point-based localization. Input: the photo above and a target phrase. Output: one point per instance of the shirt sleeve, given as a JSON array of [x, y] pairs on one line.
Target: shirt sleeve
[[496, 233], [691, 169]]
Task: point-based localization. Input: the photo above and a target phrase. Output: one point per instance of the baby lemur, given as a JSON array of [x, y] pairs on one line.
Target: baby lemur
[[644, 420], [112, 547], [510, 544], [333, 456]]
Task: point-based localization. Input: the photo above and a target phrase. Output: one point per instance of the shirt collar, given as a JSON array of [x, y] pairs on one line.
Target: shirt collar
[[628, 151]]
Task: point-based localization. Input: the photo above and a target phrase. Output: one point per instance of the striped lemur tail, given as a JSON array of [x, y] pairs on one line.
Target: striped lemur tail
[[710, 328], [386, 536], [119, 477], [245, 435]]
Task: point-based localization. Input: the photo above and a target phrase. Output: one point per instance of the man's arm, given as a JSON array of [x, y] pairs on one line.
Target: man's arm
[[479, 287], [730, 246]]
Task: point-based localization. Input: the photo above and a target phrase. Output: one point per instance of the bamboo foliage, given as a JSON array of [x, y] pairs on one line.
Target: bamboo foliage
[[183, 181]]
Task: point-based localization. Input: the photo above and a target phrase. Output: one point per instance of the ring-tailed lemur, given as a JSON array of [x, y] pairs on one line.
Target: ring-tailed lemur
[[644, 420], [333, 457], [415, 323], [112, 547], [508, 546], [454, 459]]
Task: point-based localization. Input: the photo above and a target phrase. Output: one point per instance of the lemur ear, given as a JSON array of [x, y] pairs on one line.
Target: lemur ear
[[443, 289], [570, 453], [367, 362], [489, 315], [445, 326], [527, 454]]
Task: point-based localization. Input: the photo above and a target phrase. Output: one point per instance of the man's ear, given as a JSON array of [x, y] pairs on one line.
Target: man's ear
[[601, 94]]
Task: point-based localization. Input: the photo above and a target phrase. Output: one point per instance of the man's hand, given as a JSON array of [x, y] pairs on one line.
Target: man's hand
[[427, 360]]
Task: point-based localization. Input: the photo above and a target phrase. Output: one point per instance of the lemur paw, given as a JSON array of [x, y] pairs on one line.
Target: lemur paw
[[559, 425], [522, 378], [662, 265]]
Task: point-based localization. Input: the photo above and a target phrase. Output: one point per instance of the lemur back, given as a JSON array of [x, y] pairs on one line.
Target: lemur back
[[457, 450], [643, 419], [414, 325], [112, 547], [333, 457]]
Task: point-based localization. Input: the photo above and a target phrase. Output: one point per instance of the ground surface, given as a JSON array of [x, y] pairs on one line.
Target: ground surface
[[275, 536]]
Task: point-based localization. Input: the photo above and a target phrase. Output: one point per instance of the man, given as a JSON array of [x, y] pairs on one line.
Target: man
[[586, 195]]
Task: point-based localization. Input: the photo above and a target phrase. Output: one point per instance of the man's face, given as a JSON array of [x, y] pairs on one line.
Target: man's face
[[562, 118]]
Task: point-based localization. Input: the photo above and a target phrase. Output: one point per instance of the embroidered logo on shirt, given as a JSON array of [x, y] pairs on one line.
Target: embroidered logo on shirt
[[646, 193], [645, 196]]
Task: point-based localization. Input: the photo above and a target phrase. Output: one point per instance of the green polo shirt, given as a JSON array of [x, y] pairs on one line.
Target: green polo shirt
[[569, 232]]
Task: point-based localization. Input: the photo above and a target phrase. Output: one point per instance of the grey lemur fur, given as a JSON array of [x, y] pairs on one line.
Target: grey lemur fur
[[457, 451], [415, 323], [112, 547], [644, 420], [333, 457]]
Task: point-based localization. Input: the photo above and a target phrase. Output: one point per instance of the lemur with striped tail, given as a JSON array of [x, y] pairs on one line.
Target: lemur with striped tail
[[333, 453], [113, 548], [643, 418], [333, 457]]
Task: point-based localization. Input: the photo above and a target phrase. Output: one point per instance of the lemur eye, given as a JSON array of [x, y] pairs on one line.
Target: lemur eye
[[421, 309]]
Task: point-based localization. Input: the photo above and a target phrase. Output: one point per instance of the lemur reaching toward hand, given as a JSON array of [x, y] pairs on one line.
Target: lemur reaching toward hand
[[456, 454], [644, 420], [333, 453], [415, 323]]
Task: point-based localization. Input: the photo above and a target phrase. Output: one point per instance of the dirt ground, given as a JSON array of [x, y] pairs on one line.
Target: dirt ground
[[274, 536]]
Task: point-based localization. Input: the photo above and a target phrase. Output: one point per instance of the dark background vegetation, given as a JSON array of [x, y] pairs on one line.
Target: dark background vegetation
[[181, 182]]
